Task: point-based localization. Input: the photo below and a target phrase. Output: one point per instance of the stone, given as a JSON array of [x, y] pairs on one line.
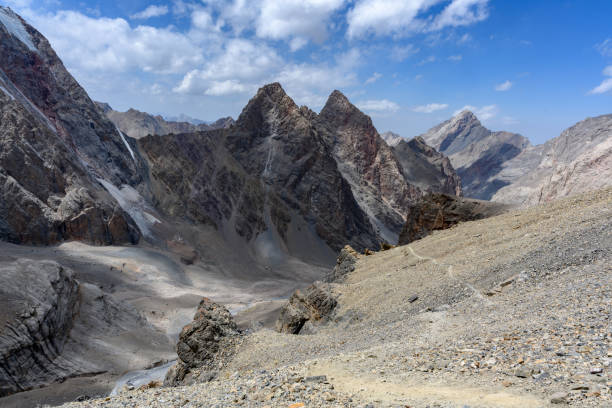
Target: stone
[[345, 264], [559, 398], [314, 305], [440, 211], [203, 345], [523, 372]]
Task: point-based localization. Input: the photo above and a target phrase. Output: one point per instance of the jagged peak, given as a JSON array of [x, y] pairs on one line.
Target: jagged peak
[[337, 101], [466, 115], [269, 98]]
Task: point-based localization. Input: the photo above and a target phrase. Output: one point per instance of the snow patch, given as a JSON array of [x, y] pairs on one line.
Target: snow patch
[[126, 143], [134, 204], [15, 27]]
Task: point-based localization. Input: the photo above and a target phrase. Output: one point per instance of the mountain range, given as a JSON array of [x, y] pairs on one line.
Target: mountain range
[[506, 167], [130, 219]]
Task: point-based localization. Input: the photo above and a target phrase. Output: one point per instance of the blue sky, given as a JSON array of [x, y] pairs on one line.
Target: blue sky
[[533, 67]]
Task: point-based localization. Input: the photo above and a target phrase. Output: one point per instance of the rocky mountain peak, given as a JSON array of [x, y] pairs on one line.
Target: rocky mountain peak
[[466, 116], [338, 109], [270, 100]]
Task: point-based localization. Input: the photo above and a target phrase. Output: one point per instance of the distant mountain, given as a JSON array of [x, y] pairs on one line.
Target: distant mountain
[[477, 153], [140, 124], [578, 160], [428, 169], [503, 166], [391, 138], [185, 118]]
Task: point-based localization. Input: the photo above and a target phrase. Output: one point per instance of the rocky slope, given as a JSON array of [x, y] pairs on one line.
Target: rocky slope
[[138, 124], [54, 146], [446, 321], [54, 328], [477, 153], [426, 168], [578, 160]]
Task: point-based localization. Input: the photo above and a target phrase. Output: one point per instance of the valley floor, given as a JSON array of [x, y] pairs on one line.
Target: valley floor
[[512, 311]]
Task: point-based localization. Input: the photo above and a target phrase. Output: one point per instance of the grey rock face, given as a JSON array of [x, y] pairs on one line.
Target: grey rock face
[[203, 344], [54, 143], [426, 168], [368, 164], [40, 301], [441, 211], [272, 170], [476, 153], [138, 124], [344, 265], [578, 160], [315, 305]]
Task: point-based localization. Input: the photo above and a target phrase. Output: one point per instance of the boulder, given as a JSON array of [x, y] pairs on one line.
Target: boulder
[[344, 265], [203, 345], [313, 305], [441, 211]]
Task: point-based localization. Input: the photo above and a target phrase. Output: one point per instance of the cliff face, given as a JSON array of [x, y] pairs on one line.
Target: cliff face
[[477, 153], [428, 169], [40, 303], [368, 164], [54, 145], [138, 124]]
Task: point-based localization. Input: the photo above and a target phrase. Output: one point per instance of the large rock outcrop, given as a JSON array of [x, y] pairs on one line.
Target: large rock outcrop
[[39, 303], [138, 124], [54, 328], [442, 211], [477, 154], [345, 264], [54, 146], [203, 344], [314, 305]]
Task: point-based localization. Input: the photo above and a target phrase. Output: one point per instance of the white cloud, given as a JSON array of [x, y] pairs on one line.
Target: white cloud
[[110, 44], [230, 86], [427, 60], [375, 77], [605, 47], [304, 19], [458, 57], [401, 17], [464, 39], [418, 77], [430, 108], [461, 13], [151, 11], [242, 62], [378, 106], [504, 86], [483, 113], [606, 84], [400, 53]]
